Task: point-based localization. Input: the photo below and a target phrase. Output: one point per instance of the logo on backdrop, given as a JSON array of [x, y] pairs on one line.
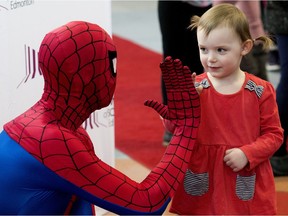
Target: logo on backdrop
[[103, 117], [3, 7], [12, 5], [31, 64]]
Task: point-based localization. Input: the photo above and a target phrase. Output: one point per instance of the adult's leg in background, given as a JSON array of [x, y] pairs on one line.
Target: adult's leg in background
[[279, 161], [177, 40], [282, 88]]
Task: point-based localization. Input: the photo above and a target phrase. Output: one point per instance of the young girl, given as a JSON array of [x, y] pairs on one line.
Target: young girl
[[229, 170]]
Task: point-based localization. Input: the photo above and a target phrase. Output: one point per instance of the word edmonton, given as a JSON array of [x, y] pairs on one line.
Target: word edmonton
[[17, 4]]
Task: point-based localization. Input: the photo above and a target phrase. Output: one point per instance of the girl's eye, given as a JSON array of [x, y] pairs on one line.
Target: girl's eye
[[221, 50], [203, 50]]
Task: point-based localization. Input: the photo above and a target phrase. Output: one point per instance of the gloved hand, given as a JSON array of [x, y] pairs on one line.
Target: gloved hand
[[183, 107]]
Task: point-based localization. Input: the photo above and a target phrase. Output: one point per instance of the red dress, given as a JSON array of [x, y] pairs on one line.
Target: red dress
[[247, 120]]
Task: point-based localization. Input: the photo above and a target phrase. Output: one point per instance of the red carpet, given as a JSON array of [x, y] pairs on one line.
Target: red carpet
[[138, 129]]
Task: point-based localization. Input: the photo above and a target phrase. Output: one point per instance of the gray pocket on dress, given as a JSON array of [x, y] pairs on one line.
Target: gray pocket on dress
[[196, 184], [245, 187]]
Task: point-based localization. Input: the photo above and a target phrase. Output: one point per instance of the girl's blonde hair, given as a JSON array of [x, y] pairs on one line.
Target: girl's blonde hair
[[230, 16]]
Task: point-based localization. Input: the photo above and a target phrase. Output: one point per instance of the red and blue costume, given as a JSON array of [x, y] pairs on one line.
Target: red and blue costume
[[47, 161]]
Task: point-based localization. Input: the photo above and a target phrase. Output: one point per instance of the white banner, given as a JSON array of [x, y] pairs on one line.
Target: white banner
[[23, 25]]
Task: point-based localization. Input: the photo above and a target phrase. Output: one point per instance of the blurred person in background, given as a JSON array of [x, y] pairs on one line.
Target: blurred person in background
[[277, 23], [177, 40]]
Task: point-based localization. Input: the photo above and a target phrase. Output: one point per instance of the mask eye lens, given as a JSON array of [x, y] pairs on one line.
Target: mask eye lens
[[113, 61]]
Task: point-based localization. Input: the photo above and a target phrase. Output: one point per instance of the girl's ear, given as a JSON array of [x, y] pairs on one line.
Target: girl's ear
[[246, 47]]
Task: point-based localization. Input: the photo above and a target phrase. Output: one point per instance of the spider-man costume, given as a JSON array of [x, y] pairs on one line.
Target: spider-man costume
[[47, 161]]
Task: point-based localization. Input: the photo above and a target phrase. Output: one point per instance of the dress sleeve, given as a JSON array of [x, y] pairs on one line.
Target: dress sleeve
[[271, 133]]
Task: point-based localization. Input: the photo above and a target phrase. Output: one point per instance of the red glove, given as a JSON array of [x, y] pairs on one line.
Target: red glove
[[183, 108]]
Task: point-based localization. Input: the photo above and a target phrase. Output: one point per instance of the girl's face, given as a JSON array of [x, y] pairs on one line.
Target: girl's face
[[221, 51]]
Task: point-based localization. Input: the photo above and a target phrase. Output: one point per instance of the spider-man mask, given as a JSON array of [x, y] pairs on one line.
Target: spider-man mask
[[77, 64]]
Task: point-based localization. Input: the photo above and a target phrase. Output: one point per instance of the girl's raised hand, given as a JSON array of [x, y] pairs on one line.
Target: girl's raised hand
[[199, 88]]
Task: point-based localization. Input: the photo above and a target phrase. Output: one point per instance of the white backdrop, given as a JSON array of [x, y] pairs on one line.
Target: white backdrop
[[23, 25]]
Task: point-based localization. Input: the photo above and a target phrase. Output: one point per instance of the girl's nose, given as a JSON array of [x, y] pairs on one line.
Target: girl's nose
[[212, 58]]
